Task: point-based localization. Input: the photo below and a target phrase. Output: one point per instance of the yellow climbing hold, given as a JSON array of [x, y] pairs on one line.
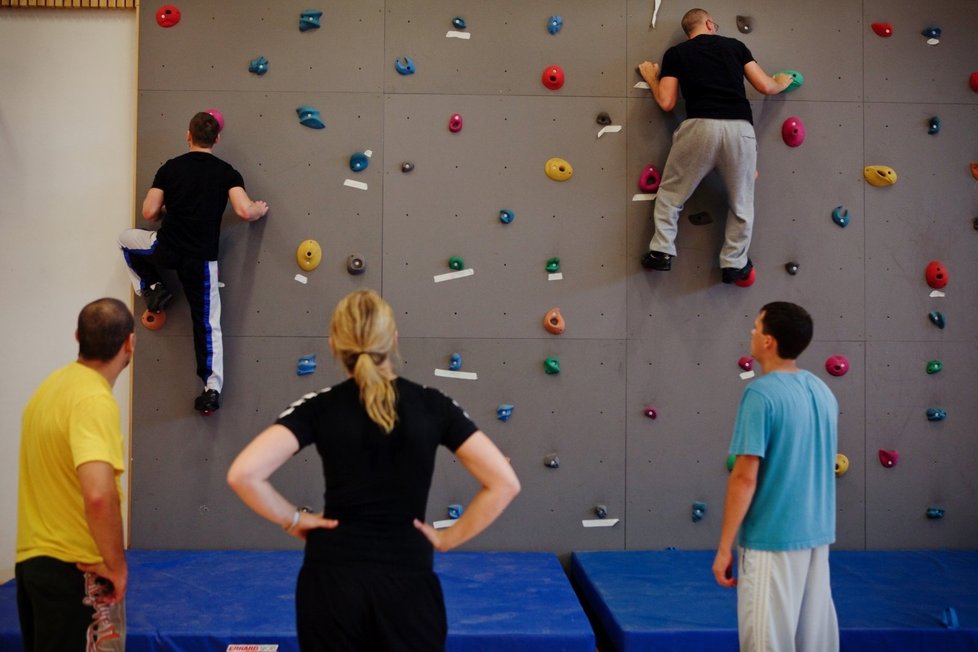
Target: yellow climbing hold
[[558, 169], [308, 255], [841, 465], [880, 175]]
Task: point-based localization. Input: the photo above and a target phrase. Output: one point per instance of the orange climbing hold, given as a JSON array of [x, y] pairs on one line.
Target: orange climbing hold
[[154, 321], [553, 321]]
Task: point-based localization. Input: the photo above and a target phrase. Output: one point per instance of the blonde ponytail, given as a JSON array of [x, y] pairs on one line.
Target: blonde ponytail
[[363, 336]]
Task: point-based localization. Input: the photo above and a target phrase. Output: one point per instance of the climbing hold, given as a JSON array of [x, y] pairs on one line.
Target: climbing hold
[[974, 224], [883, 29], [359, 162], [601, 511], [745, 362], [888, 459], [458, 22], [934, 366], [937, 318], [558, 169], [747, 282], [154, 321], [553, 321], [553, 265], [553, 77], [455, 510], [258, 66], [698, 511], [932, 34], [506, 216], [797, 80], [355, 264], [404, 66], [551, 366], [308, 255], [604, 119], [217, 115], [731, 460], [167, 16], [551, 461], [700, 219], [793, 132], [309, 20], [306, 365], [745, 24], [554, 24], [791, 268], [837, 365], [407, 166], [650, 179], [880, 175], [456, 263], [455, 123], [309, 117], [973, 81], [841, 465], [840, 216], [936, 414], [935, 512], [455, 362], [949, 618], [504, 412], [933, 125], [650, 412], [936, 275]]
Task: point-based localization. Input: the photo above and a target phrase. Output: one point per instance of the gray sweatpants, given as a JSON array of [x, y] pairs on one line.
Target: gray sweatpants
[[698, 146]]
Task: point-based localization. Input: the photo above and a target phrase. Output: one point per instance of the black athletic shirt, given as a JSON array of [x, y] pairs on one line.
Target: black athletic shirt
[[376, 483], [710, 70], [195, 192]]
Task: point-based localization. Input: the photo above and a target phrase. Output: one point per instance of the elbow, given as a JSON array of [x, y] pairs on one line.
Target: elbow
[[512, 488], [666, 105], [236, 479], [243, 213]]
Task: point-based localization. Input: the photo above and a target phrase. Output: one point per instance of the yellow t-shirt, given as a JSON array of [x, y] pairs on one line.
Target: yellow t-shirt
[[72, 418]]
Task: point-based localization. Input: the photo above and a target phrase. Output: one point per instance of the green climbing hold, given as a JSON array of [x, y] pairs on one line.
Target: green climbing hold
[[553, 265], [551, 366], [797, 79], [934, 366], [730, 461], [456, 263]]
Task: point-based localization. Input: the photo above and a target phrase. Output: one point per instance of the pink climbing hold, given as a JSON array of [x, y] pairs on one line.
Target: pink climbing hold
[[837, 365], [650, 412], [217, 115], [455, 123], [883, 29], [650, 179], [793, 132], [889, 459], [746, 362]]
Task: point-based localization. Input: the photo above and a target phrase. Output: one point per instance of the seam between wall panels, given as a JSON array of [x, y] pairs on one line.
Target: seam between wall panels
[[865, 420]]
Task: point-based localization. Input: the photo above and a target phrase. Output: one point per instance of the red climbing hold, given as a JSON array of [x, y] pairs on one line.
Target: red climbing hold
[[749, 281], [974, 81], [553, 77], [837, 365], [793, 132], [883, 29], [936, 274], [889, 459], [167, 16]]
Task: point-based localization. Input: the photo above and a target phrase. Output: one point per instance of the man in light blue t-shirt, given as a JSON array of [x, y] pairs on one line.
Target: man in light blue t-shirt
[[781, 495]]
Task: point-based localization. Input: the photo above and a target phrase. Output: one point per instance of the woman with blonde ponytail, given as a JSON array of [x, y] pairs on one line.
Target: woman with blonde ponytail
[[366, 581]]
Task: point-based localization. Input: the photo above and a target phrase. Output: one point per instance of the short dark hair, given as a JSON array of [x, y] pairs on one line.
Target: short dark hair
[[204, 129], [692, 18], [790, 325], [103, 327]]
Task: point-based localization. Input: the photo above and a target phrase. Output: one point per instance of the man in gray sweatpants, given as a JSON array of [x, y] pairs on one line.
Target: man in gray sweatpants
[[718, 132]]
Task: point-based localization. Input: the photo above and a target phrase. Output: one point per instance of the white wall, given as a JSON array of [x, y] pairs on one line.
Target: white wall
[[67, 130]]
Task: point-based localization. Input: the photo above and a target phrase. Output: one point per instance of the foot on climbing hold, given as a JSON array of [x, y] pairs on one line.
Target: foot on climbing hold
[[698, 511], [888, 459], [936, 317], [308, 255], [650, 179], [880, 175], [167, 16], [208, 402], [793, 132], [934, 366], [455, 362], [553, 321], [309, 117], [456, 263], [841, 465], [657, 260], [359, 162], [558, 169], [157, 297], [701, 218], [551, 366], [837, 365], [153, 321], [936, 414], [455, 123], [404, 66], [504, 412], [258, 66], [553, 77], [840, 216], [554, 24], [745, 24], [355, 264], [743, 275], [791, 268], [936, 275], [553, 265], [306, 365], [309, 20], [506, 216], [883, 29]]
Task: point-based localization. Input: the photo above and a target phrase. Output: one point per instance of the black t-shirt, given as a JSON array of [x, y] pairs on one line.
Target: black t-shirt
[[195, 192], [710, 70], [376, 483]]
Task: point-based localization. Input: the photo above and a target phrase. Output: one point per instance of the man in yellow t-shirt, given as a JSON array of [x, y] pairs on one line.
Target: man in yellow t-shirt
[[70, 565]]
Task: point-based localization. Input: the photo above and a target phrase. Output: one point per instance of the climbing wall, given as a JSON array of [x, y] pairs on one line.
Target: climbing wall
[[634, 340]]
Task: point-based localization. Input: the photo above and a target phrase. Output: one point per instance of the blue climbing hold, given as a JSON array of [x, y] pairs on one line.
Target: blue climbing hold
[[258, 66], [307, 365], [504, 412], [455, 510], [554, 24], [699, 511], [455, 362], [936, 414], [949, 618], [934, 125], [309, 116], [458, 22], [405, 67], [840, 216], [359, 162], [309, 20], [935, 512], [506, 216], [932, 34], [937, 318]]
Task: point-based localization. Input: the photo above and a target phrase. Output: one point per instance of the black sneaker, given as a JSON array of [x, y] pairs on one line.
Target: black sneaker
[[208, 401], [657, 260], [732, 274], [157, 296]]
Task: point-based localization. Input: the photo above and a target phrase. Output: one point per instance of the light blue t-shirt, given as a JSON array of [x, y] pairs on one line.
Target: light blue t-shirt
[[790, 420]]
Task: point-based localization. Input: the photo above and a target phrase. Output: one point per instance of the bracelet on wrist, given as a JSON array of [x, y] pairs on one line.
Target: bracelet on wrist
[[299, 511]]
